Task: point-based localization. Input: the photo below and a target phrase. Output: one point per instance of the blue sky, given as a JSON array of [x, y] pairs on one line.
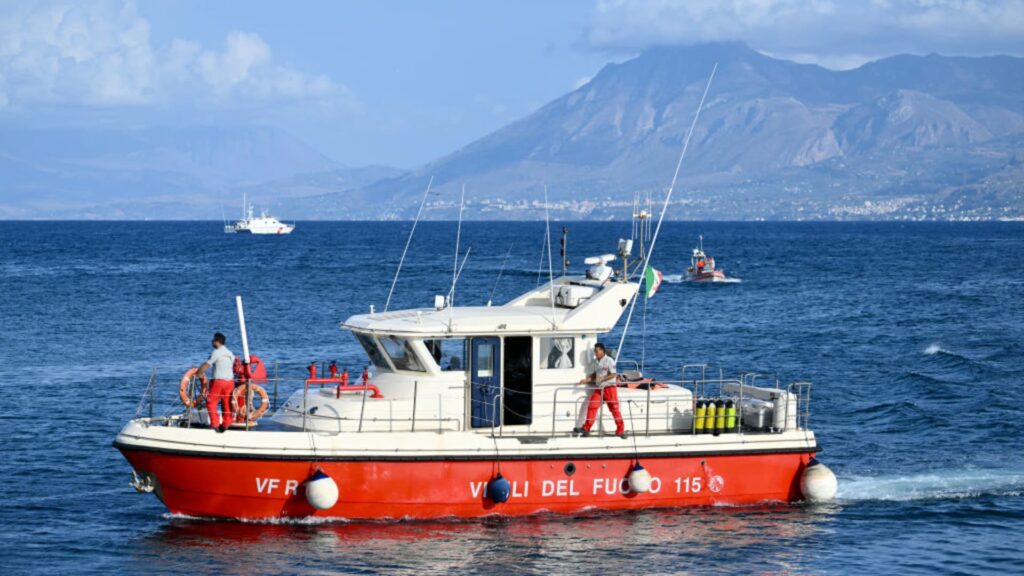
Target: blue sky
[[401, 83]]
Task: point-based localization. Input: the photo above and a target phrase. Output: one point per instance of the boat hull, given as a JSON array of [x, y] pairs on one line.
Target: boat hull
[[262, 488]]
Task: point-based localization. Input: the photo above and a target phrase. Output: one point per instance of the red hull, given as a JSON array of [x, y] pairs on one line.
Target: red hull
[[260, 488]]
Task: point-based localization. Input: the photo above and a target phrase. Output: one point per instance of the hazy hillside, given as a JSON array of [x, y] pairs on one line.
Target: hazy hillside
[[774, 136], [904, 137], [154, 172]]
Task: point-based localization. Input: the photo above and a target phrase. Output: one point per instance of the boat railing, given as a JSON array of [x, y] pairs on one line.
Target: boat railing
[[161, 404]]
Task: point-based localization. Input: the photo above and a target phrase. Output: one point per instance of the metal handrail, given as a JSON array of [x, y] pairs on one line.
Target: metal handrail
[[696, 380]]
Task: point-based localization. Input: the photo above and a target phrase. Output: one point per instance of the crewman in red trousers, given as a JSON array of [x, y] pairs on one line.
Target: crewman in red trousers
[[602, 375], [222, 361]]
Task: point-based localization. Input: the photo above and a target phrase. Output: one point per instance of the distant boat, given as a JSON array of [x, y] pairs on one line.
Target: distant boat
[[264, 224], [702, 268]]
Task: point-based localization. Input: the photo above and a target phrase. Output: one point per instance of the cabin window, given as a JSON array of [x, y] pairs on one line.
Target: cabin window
[[372, 351], [450, 354], [401, 354], [559, 353], [485, 362]]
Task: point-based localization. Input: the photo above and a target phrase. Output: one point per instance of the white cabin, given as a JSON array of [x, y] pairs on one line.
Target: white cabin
[[514, 368]]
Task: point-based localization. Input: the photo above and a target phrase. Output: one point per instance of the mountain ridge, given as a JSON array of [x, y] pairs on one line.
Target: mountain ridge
[[925, 136]]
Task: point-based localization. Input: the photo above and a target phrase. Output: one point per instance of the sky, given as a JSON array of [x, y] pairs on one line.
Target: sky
[[402, 83]]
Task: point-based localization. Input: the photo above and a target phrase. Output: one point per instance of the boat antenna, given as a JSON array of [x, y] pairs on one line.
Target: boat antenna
[[650, 211], [461, 266], [664, 206], [408, 241], [455, 264], [632, 218], [500, 271], [540, 264], [565, 250], [551, 271]]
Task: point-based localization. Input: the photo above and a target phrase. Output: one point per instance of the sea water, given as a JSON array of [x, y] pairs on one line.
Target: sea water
[[913, 335]]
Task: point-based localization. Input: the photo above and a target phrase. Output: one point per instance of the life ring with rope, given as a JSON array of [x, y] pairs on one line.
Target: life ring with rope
[[183, 387], [240, 405]]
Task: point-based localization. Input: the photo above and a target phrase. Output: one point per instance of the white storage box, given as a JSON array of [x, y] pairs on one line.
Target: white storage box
[[572, 296]]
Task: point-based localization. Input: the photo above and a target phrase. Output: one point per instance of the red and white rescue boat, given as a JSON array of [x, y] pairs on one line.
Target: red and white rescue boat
[[470, 412], [702, 268]]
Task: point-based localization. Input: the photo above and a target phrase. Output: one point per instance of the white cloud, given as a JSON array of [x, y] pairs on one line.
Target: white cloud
[[101, 55], [837, 32]]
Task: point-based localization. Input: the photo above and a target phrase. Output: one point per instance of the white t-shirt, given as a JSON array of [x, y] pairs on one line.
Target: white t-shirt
[[223, 363], [601, 369]]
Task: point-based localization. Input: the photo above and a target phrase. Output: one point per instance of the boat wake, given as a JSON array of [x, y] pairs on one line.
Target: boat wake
[[680, 279], [276, 520], [953, 485]]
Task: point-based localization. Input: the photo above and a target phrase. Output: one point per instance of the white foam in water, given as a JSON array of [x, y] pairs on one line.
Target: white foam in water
[[678, 279], [933, 349], [937, 486]]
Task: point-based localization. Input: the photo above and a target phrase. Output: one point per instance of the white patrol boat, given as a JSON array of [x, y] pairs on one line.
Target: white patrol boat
[[263, 224]]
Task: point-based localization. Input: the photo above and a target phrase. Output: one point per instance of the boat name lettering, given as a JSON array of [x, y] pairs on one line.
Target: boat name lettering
[[269, 485]]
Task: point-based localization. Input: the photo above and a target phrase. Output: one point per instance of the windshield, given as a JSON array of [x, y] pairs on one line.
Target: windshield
[[401, 354], [450, 354], [372, 351]]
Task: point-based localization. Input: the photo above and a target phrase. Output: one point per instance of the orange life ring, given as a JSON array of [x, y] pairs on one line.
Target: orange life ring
[[241, 408], [183, 387]]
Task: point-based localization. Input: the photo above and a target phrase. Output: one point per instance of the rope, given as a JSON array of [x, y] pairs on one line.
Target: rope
[[664, 206]]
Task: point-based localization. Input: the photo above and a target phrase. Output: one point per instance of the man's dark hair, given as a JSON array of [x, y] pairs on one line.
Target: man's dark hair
[[601, 346], [218, 337]]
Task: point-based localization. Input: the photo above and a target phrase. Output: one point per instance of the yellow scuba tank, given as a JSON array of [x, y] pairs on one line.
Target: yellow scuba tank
[[720, 418], [730, 416], [709, 417], [698, 419]]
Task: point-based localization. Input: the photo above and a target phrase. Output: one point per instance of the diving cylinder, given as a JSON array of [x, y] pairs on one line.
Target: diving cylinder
[[709, 419], [720, 417], [818, 483], [730, 416], [698, 421], [321, 491], [639, 479]]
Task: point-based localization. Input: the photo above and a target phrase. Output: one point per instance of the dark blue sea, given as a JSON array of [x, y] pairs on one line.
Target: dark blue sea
[[913, 335]]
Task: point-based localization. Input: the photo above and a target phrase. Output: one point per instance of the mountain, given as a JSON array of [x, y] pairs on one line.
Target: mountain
[[774, 137], [160, 172], [906, 137]]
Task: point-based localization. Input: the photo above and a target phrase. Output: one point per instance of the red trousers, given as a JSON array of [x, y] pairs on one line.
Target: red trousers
[[220, 393], [609, 394]]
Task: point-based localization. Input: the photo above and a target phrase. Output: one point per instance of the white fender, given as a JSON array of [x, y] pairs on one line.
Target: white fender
[[818, 483], [639, 479], [321, 491]]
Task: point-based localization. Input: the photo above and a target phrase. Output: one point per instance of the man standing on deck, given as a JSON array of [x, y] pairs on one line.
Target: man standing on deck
[[222, 361], [602, 375]]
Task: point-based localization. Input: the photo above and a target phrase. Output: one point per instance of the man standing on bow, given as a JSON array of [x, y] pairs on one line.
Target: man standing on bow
[[222, 361], [602, 375]]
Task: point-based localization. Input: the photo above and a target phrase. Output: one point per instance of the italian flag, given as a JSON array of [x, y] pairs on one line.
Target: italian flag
[[652, 280]]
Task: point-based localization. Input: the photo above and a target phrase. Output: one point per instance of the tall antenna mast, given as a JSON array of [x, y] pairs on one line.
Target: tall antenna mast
[[500, 271], [565, 250], [455, 265], [551, 272], [664, 206], [408, 241]]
